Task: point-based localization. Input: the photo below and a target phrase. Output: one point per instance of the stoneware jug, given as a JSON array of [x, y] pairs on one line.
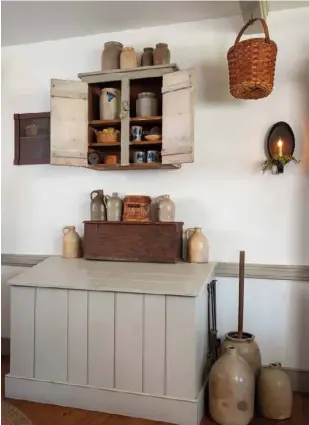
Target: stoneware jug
[[109, 104], [275, 397], [198, 248], [114, 207], [70, 243], [166, 208], [231, 390], [246, 347], [97, 205], [128, 58]]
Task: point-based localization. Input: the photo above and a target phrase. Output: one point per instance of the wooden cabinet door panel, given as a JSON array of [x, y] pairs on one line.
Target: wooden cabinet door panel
[[178, 117], [69, 123]]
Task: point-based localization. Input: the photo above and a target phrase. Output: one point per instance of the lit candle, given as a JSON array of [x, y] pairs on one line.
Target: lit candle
[[280, 145]]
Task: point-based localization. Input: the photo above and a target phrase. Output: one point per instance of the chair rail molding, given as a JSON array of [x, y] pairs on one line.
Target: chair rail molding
[[253, 271]]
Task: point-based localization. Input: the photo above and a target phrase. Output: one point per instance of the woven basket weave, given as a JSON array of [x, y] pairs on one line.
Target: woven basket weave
[[252, 65]]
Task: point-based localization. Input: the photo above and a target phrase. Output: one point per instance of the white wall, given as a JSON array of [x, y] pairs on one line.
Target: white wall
[[276, 312], [223, 191]]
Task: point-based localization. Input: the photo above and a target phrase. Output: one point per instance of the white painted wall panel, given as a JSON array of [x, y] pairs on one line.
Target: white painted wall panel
[[180, 347], [101, 339], [201, 329], [129, 342], [154, 345], [77, 337], [22, 331], [51, 333], [7, 272]]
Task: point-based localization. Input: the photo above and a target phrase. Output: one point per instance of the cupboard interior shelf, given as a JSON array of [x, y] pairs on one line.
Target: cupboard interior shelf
[[133, 120], [102, 123], [115, 145], [144, 166], [145, 120], [103, 145], [146, 143]]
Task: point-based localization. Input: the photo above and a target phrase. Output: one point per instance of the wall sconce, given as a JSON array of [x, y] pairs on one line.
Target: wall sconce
[[280, 146]]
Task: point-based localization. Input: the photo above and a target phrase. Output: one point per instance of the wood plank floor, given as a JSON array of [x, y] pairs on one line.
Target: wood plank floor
[[45, 414]]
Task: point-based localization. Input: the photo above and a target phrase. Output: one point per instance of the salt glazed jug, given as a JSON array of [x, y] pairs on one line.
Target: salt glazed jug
[[166, 208], [98, 205], [231, 390], [71, 243], [114, 207], [275, 397], [198, 248]]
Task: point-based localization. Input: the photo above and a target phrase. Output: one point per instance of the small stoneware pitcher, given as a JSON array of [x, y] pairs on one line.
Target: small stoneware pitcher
[[98, 205], [198, 248], [275, 397], [71, 243]]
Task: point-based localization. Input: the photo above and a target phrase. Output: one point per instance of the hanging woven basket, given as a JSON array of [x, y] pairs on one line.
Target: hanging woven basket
[[252, 65]]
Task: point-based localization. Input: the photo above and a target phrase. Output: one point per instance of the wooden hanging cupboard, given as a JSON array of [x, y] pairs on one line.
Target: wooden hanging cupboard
[[75, 113]]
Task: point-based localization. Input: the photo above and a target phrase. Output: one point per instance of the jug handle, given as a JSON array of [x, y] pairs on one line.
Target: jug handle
[[106, 198], [68, 228], [94, 191], [158, 199], [190, 230]]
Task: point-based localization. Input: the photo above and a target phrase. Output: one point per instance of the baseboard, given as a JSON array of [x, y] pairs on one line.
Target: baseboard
[[299, 379], [253, 271], [137, 405], [5, 346]]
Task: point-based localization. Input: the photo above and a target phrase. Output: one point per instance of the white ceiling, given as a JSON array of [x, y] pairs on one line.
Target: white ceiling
[[25, 22]]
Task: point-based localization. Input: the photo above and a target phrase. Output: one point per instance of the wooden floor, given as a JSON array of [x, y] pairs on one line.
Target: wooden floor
[[45, 414]]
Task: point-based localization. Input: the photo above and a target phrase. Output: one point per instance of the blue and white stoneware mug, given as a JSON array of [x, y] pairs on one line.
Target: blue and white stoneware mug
[[139, 157], [153, 156], [136, 133]]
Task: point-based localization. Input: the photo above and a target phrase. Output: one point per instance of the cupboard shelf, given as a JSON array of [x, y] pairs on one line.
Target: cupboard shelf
[[102, 123], [145, 120], [145, 166], [146, 143], [133, 120], [104, 145]]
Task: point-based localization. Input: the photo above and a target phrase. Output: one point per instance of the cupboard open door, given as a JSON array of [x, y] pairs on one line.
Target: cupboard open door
[[69, 123], [178, 117]]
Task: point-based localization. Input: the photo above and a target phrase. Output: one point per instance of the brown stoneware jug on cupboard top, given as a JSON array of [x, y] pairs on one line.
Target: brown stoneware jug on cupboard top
[[71, 247], [246, 347], [97, 205], [231, 390], [275, 397], [198, 248]]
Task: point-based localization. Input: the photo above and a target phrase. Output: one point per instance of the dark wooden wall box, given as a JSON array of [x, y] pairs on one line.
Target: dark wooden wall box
[[32, 138], [129, 241]]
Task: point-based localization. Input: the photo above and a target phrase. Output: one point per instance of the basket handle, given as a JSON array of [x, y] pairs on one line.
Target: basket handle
[[250, 22]]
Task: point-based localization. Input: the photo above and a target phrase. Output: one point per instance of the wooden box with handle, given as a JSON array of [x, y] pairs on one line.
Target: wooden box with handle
[[132, 241]]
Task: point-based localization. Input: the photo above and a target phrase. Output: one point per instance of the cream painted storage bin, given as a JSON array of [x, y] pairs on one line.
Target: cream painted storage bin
[[126, 346]]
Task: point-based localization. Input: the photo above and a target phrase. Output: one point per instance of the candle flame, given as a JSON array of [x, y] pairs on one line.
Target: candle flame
[[280, 143]]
